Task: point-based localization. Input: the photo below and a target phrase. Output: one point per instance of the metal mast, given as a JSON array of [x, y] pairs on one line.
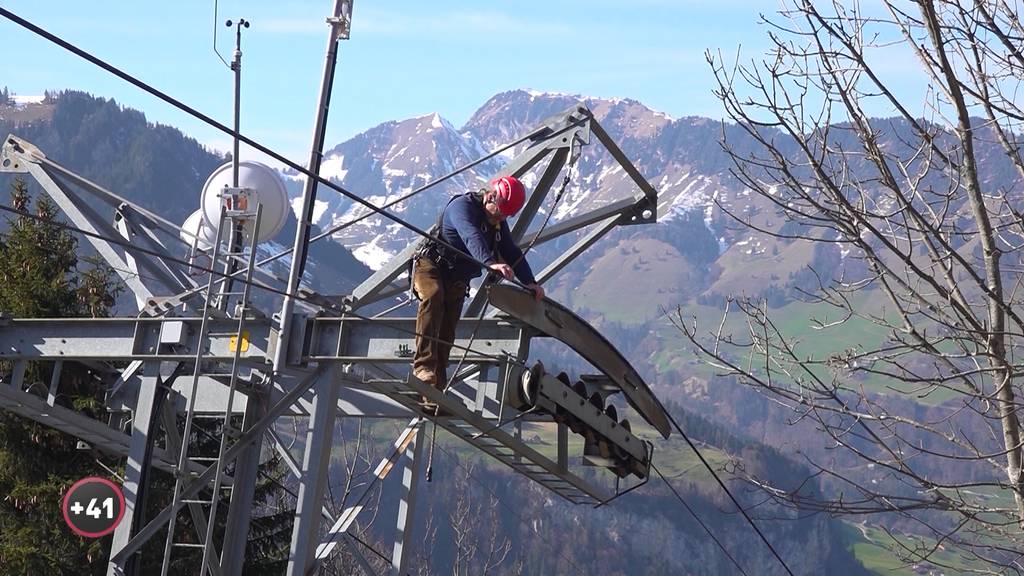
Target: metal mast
[[340, 24]]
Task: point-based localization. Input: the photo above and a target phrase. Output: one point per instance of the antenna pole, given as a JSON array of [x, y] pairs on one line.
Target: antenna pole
[[235, 238], [340, 23], [236, 67]]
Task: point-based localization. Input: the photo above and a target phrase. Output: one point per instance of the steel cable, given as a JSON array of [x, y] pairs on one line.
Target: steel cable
[[53, 38]]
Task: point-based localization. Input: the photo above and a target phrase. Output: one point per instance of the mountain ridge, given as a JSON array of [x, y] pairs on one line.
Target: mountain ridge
[[154, 165]]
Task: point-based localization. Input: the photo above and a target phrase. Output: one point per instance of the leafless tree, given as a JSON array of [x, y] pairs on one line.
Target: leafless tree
[[424, 554], [478, 542], [357, 458], [929, 221]]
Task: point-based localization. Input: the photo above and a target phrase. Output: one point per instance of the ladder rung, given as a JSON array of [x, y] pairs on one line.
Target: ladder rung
[[530, 463], [188, 545], [204, 502]]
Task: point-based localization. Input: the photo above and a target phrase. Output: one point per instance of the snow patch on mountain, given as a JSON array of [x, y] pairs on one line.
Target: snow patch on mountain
[[397, 157], [333, 168], [319, 208], [692, 196], [23, 99], [577, 194], [534, 94], [661, 114], [372, 254]]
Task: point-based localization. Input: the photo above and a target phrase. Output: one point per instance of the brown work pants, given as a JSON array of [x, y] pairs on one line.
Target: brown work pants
[[440, 308]]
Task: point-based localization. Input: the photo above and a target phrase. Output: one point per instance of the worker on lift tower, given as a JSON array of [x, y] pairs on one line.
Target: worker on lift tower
[[473, 223]]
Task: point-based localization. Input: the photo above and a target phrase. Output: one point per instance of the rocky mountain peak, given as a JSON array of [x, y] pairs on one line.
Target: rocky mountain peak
[[508, 115]]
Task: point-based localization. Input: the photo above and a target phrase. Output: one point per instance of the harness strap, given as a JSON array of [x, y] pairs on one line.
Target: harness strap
[[429, 248], [432, 249]]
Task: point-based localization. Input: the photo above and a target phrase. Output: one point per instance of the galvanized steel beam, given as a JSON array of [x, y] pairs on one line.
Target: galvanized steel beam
[[314, 476]]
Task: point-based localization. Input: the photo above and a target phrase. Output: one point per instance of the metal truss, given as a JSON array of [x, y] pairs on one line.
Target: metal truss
[[249, 368]]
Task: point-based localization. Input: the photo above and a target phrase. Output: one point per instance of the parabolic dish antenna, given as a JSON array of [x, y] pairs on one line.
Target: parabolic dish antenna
[[195, 230], [268, 190]]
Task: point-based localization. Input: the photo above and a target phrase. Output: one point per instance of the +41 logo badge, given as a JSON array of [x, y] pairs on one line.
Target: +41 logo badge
[[93, 507]]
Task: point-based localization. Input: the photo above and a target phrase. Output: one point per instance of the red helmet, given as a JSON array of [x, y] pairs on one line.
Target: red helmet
[[511, 195]]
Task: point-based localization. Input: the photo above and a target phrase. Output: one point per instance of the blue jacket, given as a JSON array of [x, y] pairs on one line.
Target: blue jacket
[[464, 225]]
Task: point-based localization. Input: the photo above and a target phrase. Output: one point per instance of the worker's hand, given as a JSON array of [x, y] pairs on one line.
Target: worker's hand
[[502, 269], [538, 291]]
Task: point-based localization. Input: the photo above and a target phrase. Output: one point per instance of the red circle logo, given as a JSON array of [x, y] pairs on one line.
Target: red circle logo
[[93, 507]]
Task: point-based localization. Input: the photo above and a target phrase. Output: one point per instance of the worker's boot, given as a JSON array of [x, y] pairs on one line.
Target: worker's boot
[[426, 376], [431, 408]]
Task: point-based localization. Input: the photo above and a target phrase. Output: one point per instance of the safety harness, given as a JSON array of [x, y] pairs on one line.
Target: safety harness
[[431, 249]]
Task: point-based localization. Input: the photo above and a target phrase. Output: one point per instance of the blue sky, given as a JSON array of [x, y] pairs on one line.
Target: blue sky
[[405, 58]]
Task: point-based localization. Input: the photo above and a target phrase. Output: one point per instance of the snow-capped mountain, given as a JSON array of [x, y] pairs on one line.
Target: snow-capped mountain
[[393, 159], [696, 249], [385, 163]]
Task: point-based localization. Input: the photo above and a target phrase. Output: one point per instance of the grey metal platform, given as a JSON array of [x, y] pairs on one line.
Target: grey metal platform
[[495, 442]]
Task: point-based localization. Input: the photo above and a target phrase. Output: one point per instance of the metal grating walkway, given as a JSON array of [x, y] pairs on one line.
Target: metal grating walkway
[[498, 443]]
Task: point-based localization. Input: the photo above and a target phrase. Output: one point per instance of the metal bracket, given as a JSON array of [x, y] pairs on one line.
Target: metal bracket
[[579, 115], [15, 154], [644, 211], [342, 23]]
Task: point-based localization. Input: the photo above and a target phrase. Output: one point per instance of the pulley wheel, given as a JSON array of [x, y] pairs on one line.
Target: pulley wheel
[[530, 383], [612, 413], [580, 388]]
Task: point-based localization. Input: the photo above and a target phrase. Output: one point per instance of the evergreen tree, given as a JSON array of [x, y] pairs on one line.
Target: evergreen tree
[[270, 528], [38, 278]]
